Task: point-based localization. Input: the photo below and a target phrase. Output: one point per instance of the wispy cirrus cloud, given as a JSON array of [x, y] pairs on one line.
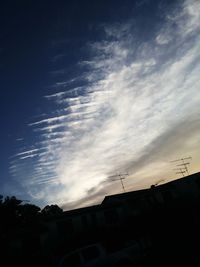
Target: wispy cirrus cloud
[[135, 96]]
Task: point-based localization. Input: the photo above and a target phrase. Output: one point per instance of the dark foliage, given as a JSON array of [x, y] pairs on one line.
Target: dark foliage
[[51, 211], [20, 228]]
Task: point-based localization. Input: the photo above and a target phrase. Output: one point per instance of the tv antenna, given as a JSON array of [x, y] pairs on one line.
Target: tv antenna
[[180, 171], [121, 176], [184, 164]]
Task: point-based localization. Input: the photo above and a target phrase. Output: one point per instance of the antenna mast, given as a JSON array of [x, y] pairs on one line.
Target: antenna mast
[[121, 176], [180, 171], [183, 165]]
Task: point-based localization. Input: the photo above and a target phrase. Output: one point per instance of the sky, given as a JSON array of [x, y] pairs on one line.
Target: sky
[[90, 90]]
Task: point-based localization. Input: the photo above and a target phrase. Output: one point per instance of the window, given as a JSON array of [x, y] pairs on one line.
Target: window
[[90, 253], [72, 260]]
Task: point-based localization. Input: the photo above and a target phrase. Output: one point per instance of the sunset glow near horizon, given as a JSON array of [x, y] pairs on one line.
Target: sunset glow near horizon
[[124, 98]]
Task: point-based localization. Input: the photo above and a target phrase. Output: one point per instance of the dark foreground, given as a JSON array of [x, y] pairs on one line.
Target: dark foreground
[[159, 226]]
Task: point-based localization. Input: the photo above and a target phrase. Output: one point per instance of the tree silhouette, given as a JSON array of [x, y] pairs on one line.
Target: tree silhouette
[[51, 211], [23, 224], [29, 212]]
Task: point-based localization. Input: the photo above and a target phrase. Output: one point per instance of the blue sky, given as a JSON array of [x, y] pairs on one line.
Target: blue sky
[[90, 89]]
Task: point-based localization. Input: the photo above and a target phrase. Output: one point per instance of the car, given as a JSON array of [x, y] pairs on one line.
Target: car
[[95, 255]]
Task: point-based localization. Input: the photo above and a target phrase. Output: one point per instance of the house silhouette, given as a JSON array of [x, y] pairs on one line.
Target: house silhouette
[[162, 218]]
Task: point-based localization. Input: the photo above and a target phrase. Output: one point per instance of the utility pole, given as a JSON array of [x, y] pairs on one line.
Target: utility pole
[[121, 176]]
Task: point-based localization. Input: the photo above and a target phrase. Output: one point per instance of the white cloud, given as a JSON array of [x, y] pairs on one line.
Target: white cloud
[[131, 101], [163, 38]]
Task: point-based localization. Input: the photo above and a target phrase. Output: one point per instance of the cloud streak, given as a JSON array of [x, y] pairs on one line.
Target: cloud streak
[[136, 96]]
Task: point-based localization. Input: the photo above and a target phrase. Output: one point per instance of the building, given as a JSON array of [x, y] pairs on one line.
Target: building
[[132, 215]]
